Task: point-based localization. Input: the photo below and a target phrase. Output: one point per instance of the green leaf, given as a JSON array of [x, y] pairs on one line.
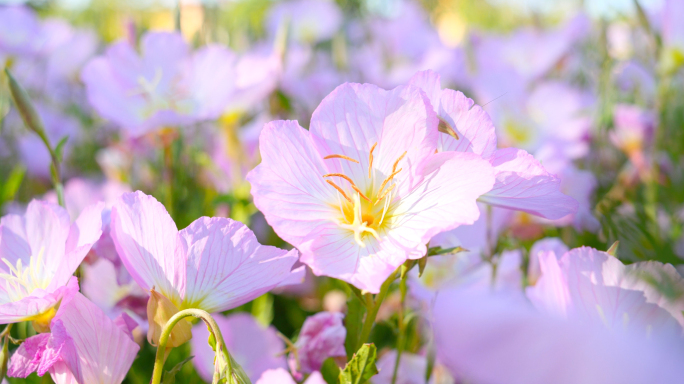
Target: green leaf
[[330, 371], [422, 263], [436, 251], [170, 376], [12, 184], [352, 323], [4, 357], [59, 149], [361, 367], [613, 249]]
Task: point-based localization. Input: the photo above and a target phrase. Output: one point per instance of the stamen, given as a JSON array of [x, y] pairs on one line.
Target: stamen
[[387, 180], [385, 194], [435, 150], [370, 160], [340, 157], [394, 167], [350, 182], [444, 127], [339, 190], [384, 209]]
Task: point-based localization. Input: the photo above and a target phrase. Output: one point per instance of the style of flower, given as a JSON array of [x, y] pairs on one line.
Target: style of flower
[[40, 251], [363, 190], [521, 183], [83, 346], [214, 264]]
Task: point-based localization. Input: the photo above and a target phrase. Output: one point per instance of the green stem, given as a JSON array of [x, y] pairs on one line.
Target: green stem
[[373, 310], [401, 340], [160, 357], [168, 176]]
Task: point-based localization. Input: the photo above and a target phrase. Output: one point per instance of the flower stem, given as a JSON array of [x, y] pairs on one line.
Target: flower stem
[[160, 358], [373, 310], [401, 339]]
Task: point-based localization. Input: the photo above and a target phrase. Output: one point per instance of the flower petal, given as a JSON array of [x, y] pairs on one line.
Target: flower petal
[[228, 267], [103, 352], [148, 243], [37, 303], [287, 186], [523, 184]]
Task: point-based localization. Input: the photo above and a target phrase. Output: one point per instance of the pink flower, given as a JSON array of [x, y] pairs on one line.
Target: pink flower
[[40, 252], [521, 183], [587, 285], [322, 336], [552, 245], [412, 369], [256, 348], [280, 376], [84, 346], [167, 85], [214, 264], [363, 190], [501, 339]]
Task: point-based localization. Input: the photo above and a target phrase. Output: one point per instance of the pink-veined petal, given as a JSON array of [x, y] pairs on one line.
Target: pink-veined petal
[[27, 358], [47, 230], [288, 186], [37, 303], [149, 245], [523, 184], [276, 376], [103, 351], [227, 266], [352, 118]]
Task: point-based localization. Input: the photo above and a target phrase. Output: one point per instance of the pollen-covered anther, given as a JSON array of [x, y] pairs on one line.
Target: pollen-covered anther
[[339, 190], [387, 180], [370, 160], [350, 182], [340, 157], [379, 199], [394, 166]]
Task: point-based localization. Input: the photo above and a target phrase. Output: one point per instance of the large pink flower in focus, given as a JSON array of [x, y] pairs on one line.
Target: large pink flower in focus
[[214, 264], [363, 190], [40, 252], [84, 346], [502, 339], [522, 183], [256, 348]]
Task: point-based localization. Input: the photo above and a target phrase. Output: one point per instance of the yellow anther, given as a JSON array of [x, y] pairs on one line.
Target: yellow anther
[[384, 194], [350, 182], [394, 167], [340, 157], [370, 160], [339, 190], [387, 180]]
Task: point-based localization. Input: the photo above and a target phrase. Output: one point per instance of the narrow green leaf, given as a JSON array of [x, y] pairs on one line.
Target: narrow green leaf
[[613, 249], [431, 357], [361, 367], [436, 251], [59, 149], [352, 323], [12, 184], [330, 371], [422, 263], [170, 375]]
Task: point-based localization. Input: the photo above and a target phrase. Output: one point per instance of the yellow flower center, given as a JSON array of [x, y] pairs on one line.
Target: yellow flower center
[[365, 214], [22, 280]]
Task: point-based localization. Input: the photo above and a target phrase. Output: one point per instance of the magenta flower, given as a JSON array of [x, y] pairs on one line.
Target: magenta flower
[[164, 86], [522, 183], [40, 252], [501, 339], [363, 190], [84, 346], [587, 285], [256, 348], [322, 336], [214, 264]]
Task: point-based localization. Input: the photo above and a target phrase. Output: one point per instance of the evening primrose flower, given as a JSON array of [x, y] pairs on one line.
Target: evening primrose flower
[[84, 346], [39, 252], [522, 183], [363, 190], [214, 264]]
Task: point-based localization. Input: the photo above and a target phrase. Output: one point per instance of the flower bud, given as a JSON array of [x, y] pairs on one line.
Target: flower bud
[[159, 310]]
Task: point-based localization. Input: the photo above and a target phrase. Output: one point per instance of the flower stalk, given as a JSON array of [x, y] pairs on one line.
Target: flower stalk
[[373, 308]]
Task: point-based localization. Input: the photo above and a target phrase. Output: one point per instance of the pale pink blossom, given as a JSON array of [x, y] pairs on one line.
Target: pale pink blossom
[[521, 183], [590, 286], [40, 251], [281, 376], [84, 346], [256, 348], [547, 245], [502, 339], [322, 336], [363, 190], [214, 264]]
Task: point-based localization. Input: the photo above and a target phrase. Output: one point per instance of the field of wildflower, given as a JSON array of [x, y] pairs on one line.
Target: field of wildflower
[[342, 191]]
